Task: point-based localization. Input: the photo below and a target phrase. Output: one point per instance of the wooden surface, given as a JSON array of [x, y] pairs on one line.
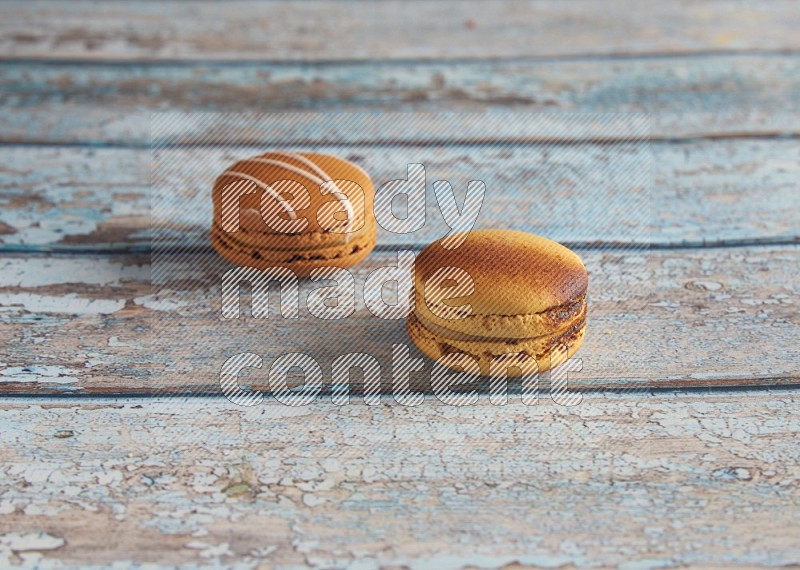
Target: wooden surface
[[731, 191], [687, 97], [694, 317], [317, 30], [668, 480], [683, 451]]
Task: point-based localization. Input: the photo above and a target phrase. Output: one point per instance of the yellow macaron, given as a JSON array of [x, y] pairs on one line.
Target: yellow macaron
[[508, 297], [297, 210]]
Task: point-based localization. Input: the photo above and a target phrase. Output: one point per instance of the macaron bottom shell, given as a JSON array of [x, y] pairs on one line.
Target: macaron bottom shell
[[435, 345], [302, 259]]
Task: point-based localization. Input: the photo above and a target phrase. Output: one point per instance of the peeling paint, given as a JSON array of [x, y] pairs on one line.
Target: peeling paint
[[70, 304], [680, 476], [38, 373]]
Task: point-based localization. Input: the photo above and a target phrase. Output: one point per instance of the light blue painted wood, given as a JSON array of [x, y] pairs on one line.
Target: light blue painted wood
[[704, 192], [83, 325], [685, 96], [680, 318], [691, 480], [314, 30]]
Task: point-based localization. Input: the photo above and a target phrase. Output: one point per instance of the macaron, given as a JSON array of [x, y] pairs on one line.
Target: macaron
[[298, 210], [505, 296]]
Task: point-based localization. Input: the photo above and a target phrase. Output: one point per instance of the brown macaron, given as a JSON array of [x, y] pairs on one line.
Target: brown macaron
[[508, 299], [298, 210]]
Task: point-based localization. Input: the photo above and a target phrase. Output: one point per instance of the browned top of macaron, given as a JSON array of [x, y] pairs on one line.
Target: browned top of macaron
[[514, 272]]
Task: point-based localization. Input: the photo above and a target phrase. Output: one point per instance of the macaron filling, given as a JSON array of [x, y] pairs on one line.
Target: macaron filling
[[291, 242], [497, 326], [484, 351], [320, 252], [449, 334]]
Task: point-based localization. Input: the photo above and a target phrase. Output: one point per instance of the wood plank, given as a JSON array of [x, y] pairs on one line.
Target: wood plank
[[685, 97], [657, 480], [668, 318], [323, 31], [70, 199]]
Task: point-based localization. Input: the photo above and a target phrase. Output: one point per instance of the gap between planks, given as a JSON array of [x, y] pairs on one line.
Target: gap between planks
[[212, 394], [431, 143], [143, 249], [576, 57]]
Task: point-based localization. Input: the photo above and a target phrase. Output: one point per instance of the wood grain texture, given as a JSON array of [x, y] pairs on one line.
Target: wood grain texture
[[685, 97], [704, 192], [671, 318], [630, 479], [322, 31], [669, 480]]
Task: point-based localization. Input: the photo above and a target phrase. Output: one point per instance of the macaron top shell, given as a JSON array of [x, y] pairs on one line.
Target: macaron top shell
[[514, 273], [307, 169]]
